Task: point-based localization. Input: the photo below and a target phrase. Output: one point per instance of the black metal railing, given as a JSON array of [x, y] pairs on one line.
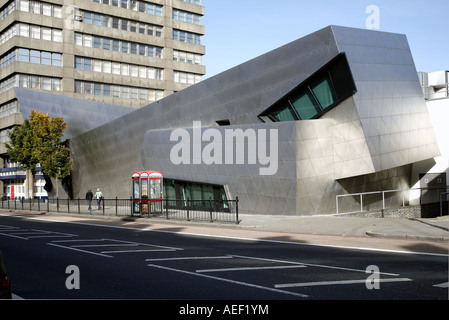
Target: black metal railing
[[225, 211]]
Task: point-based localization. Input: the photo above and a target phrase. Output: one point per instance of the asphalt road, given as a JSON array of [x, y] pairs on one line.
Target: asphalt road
[[64, 260]]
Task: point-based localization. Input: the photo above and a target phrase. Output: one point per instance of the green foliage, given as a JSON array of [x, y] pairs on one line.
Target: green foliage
[[38, 140], [22, 146]]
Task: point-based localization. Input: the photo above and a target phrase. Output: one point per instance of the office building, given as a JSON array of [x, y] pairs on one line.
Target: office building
[[120, 52]]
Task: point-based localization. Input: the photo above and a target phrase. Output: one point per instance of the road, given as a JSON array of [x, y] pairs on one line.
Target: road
[[49, 259]]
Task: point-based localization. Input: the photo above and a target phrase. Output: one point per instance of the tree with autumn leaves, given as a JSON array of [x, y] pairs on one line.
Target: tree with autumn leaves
[[39, 141]]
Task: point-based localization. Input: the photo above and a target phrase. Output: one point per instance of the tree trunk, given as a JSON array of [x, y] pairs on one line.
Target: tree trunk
[[29, 185]]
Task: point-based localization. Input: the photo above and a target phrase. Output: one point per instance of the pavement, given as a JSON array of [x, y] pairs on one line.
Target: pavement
[[429, 229]]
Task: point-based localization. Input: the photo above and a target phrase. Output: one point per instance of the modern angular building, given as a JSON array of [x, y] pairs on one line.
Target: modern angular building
[[121, 52], [336, 112]]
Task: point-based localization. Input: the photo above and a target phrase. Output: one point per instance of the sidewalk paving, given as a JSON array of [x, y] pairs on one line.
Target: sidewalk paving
[[430, 229]]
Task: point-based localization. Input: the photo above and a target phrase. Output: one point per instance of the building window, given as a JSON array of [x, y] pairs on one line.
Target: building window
[[135, 5], [124, 69], [318, 94], [9, 108], [189, 78], [32, 56], [117, 91], [187, 57], [87, 40], [198, 2], [35, 7], [33, 31], [31, 81], [186, 16], [185, 36]]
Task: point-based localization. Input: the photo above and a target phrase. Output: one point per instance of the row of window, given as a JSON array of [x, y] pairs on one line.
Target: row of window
[[198, 2], [37, 7], [122, 24], [118, 68], [185, 36], [9, 108], [187, 57], [8, 58], [52, 10], [32, 82], [318, 94], [4, 134], [89, 64], [31, 31], [125, 92], [135, 5], [185, 77], [104, 43], [36, 56], [186, 16], [55, 59]]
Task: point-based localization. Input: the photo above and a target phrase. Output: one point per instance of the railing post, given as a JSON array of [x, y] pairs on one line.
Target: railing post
[[166, 208], [102, 202], [188, 209], [361, 202], [237, 210], [68, 205], [210, 209], [116, 206], [79, 208], [336, 200], [403, 198]]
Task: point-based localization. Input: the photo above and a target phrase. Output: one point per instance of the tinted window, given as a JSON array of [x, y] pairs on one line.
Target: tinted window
[[319, 93]]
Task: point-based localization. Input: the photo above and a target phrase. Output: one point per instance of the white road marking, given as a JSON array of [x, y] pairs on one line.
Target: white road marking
[[26, 234], [231, 281], [140, 250], [316, 265], [332, 283], [76, 249], [189, 258], [111, 243], [442, 285], [248, 269]]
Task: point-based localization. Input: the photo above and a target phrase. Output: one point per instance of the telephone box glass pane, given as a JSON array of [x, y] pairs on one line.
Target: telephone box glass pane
[[136, 189], [155, 189], [145, 189]]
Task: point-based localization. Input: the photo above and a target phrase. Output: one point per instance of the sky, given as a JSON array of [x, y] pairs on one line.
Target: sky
[[239, 30]]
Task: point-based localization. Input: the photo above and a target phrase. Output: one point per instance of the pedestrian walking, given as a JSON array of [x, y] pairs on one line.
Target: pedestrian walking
[[99, 196], [89, 197]]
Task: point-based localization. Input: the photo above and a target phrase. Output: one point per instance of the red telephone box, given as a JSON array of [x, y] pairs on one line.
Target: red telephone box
[[147, 192]]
